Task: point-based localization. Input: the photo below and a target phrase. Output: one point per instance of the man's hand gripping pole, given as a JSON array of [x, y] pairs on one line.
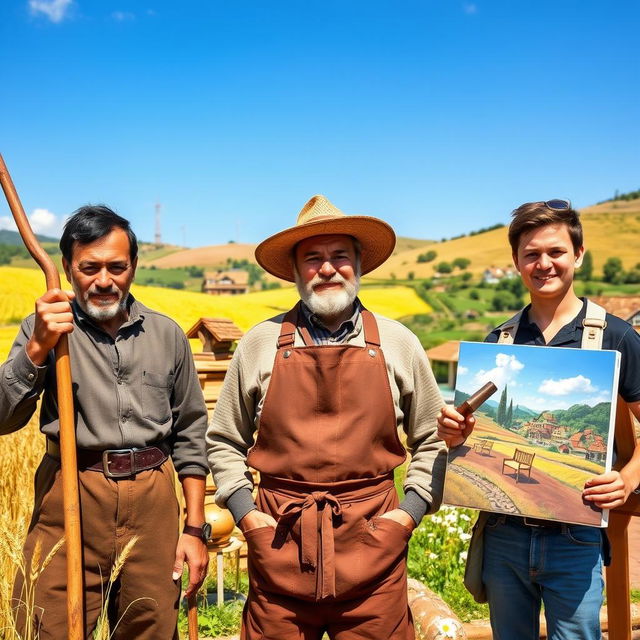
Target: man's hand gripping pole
[[69, 465]]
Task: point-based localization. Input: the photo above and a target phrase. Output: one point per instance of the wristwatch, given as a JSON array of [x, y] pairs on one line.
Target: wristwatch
[[203, 532]]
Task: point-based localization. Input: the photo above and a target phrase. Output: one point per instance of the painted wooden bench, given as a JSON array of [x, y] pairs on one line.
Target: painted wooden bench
[[521, 461], [483, 446]]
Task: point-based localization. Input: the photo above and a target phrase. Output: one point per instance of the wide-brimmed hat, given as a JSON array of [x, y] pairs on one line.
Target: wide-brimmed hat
[[319, 217]]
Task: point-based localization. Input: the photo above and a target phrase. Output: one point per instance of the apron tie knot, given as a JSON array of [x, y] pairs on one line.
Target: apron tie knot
[[316, 511]]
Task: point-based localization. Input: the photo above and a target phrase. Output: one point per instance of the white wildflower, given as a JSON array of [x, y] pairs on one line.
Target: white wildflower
[[447, 628]]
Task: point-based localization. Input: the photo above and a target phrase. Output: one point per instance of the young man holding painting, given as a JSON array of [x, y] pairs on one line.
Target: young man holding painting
[[527, 563]]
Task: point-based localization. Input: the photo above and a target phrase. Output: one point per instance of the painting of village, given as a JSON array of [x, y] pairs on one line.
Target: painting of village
[[541, 436]]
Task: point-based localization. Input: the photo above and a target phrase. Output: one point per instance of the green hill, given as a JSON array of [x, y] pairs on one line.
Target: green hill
[[13, 238]]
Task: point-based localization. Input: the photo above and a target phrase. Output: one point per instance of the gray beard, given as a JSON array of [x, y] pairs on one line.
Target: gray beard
[[101, 313], [331, 303]]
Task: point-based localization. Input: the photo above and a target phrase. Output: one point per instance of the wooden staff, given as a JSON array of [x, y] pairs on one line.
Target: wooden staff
[[618, 583], [192, 603], [71, 502]]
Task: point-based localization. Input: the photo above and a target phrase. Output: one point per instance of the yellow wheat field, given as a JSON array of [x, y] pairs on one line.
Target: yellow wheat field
[[20, 287]]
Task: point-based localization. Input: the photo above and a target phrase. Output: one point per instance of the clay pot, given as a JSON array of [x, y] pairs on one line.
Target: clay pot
[[221, 521]]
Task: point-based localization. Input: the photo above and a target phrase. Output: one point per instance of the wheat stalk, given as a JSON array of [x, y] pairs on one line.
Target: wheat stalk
[[103, 630]]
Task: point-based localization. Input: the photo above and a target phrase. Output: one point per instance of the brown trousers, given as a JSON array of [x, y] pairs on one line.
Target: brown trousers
[[144, 600]]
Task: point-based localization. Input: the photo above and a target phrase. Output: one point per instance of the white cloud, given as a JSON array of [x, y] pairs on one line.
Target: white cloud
[[55, 10], [41, 220], [123, 16], [470, 8], [6, 222], [538, 403], [505, 372], [463, 370], [565, 386]]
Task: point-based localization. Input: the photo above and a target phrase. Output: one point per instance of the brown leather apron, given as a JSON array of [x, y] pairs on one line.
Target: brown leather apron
[[326, 449]]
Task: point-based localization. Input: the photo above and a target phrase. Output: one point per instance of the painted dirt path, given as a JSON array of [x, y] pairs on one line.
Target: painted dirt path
[[550, 495], [497, 498]]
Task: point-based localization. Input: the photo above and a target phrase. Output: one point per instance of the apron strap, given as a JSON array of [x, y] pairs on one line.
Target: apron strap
[[316, 512], [288, 329], [302, 327], [292, 322], [370, 326]]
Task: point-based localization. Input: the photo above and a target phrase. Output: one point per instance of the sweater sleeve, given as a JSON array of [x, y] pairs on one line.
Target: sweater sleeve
[[420, 404], [231, 430]]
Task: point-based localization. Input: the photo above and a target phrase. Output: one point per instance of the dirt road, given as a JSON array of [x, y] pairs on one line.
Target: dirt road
[[549, 494]]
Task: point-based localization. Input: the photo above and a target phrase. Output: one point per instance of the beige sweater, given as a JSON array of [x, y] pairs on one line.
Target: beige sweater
[[416, 398]]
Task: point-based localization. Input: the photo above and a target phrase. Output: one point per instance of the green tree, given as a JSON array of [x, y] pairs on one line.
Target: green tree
[[586, 270], [508, 421], [504, 300], [427, 256], [612, 270], [502, 407], [632, 277], [444, 267], [461, 263]]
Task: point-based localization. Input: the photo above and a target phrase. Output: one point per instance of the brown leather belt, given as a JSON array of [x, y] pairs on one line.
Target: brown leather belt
[[115, 463]]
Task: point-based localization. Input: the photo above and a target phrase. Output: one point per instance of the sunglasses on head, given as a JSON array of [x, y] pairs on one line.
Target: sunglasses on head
[[558, 205]]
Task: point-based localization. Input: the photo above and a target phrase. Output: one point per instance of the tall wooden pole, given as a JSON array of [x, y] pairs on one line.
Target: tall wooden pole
[[618, 584], [192, 616], [71, 502]]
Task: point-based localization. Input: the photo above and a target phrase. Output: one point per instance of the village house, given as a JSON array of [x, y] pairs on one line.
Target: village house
[[541, 429], [588, 444], [493, 275], [231, 282], [625, 307]]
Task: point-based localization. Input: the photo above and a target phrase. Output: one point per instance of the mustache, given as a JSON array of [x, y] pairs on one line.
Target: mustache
[[317, 279], [103, 291]]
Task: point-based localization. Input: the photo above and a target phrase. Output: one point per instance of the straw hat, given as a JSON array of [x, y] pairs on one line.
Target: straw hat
[[319, 217]]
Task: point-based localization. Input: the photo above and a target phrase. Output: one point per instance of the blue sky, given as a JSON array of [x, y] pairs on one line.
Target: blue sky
[[536, 377], [439, 116]]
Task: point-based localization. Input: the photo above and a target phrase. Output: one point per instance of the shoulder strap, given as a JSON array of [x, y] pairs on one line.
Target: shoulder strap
[[288, 328], [370, 326], [593, 325], [509, 329]]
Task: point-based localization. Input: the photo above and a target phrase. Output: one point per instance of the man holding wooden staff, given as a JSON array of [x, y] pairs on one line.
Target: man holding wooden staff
[[138, 409], [323, 390], [518, 563]]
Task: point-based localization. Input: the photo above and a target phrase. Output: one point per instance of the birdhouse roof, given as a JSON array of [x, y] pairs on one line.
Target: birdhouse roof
[[222, 329]]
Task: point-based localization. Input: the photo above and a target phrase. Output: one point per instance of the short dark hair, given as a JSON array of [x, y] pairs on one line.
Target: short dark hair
[[92, 222], [532, 215]]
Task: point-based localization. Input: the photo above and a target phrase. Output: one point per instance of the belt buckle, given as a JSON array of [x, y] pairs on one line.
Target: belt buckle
[[530, 523], [105, 463]]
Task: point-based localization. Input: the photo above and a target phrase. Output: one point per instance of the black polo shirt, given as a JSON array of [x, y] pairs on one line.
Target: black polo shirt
[[618, 335]]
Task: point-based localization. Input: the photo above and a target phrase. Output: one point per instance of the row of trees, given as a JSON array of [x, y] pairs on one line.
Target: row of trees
[[504, 416], [612, 271]]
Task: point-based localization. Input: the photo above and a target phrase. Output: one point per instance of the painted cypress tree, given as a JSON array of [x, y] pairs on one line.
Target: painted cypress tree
[[509, 419], [502, 407]]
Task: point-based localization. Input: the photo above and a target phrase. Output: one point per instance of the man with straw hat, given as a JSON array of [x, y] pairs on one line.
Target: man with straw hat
[[313, 399]]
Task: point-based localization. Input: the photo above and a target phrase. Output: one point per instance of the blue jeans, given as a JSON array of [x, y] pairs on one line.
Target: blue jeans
[[525, 566]]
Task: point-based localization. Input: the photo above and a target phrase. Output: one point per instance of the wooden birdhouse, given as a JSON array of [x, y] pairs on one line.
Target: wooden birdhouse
[[217, 336]]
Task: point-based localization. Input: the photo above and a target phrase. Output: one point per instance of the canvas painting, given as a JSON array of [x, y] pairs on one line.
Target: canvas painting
[[547, 429]]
